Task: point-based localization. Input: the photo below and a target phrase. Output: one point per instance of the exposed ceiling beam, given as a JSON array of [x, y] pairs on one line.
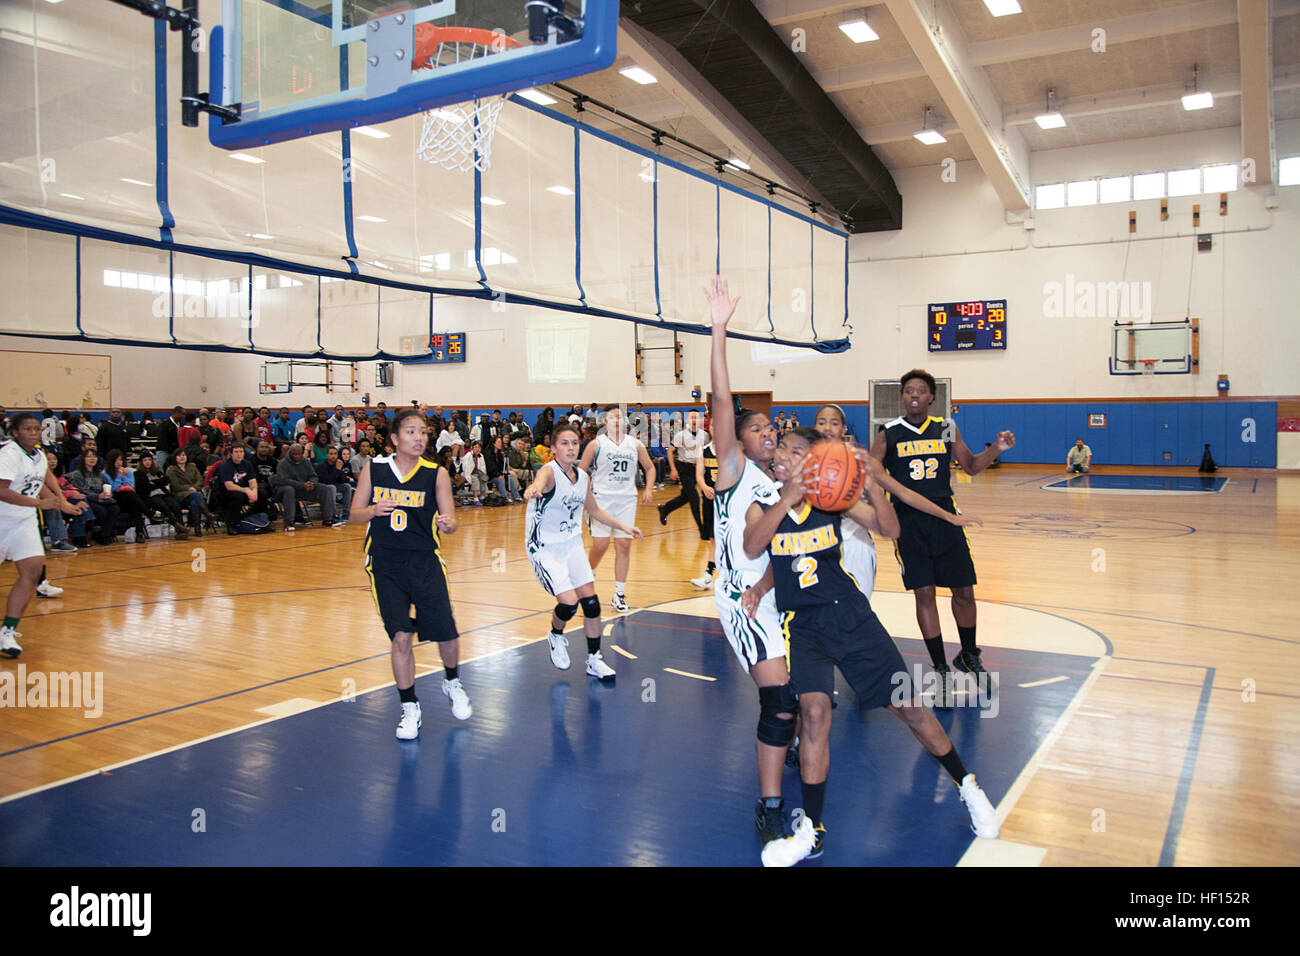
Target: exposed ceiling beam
[[1255, 34], [778, 12], [1143, 26], [937, 40], [684, 83]]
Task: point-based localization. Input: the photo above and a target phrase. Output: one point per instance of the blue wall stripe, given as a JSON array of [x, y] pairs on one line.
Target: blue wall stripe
[[577, 213], [160, 127], [1175, 829], [654, 216]]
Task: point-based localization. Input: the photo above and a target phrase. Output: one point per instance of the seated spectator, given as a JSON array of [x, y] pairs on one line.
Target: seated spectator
[[541, 452], [449, 460], [1079, 458], [112, 434], [208, 432], [264, 467], [321, 445], [474, 468], [338, 422], [282, 427], [233, 488], [361, 460], [296, 482], [517, 458], [262, 425], [73, 444], [345, 464], [60, 526], [224, 422], [151, 486], [85, 443], [123, 483], [449, 437], [90, 480], [498, 471], [306, 424], [52, 430], [335, 480], [189, 431]]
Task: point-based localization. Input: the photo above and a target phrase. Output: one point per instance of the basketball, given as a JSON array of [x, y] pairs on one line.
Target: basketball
[[838, 476]]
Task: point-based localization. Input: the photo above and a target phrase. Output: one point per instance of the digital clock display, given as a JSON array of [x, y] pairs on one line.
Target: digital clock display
[[959, 326], [445, 348]]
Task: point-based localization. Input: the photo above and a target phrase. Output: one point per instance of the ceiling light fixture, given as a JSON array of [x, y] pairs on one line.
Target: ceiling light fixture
[[371, 132], [857, 29], [560, 190], [1197, 100], [1051, 118], [931, 137], [538, 97], [639, 75], [1002, 8], [738, 163], [245, 158], [371, 219]]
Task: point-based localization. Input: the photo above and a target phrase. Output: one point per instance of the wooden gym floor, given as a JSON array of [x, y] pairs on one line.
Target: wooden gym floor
[[1175, 749]]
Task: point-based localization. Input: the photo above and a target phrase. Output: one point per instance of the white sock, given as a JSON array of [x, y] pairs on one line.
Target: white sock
[[618, 586]]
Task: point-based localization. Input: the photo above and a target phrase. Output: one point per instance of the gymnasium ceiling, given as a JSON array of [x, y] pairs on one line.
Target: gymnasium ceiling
[[984, 79]]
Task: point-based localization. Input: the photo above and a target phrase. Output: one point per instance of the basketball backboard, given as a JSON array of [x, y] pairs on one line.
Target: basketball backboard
[[300, 68], [1170, 345]]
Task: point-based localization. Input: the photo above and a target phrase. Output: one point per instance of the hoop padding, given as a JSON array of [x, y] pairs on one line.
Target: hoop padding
[[458, 137]]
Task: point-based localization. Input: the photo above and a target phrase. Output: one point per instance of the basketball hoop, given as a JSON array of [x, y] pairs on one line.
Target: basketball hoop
[[459, 136], [1148, 366]]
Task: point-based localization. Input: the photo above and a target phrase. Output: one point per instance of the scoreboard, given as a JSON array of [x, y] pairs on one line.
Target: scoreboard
[[445, 348], [958, 326]]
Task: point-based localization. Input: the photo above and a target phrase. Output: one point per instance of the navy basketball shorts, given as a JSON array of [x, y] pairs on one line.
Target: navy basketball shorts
[[932, 552], [402, 579], [847, 635]]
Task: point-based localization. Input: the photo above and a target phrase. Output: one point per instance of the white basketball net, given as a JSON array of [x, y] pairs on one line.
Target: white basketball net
[[459, 137]]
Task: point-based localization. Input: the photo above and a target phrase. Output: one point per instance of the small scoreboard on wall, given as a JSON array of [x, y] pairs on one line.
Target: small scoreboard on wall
[[445, 348], [958, 326]]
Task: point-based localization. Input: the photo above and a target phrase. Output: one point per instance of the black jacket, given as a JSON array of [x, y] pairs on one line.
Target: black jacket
[[169, 436], [112, 436]]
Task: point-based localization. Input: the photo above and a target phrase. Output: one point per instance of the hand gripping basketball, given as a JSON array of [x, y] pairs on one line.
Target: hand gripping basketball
[[840, 476]]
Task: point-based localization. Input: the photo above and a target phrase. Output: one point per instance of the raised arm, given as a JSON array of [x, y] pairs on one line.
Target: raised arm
[[731, 459]]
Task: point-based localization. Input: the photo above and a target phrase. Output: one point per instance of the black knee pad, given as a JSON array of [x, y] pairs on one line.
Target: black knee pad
[[590, 606], [565, 611], [773, 730]]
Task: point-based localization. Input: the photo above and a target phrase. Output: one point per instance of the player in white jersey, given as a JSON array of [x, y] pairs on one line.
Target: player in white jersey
[[745, 445], [556, 499], [611, 461], [23, 492]]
